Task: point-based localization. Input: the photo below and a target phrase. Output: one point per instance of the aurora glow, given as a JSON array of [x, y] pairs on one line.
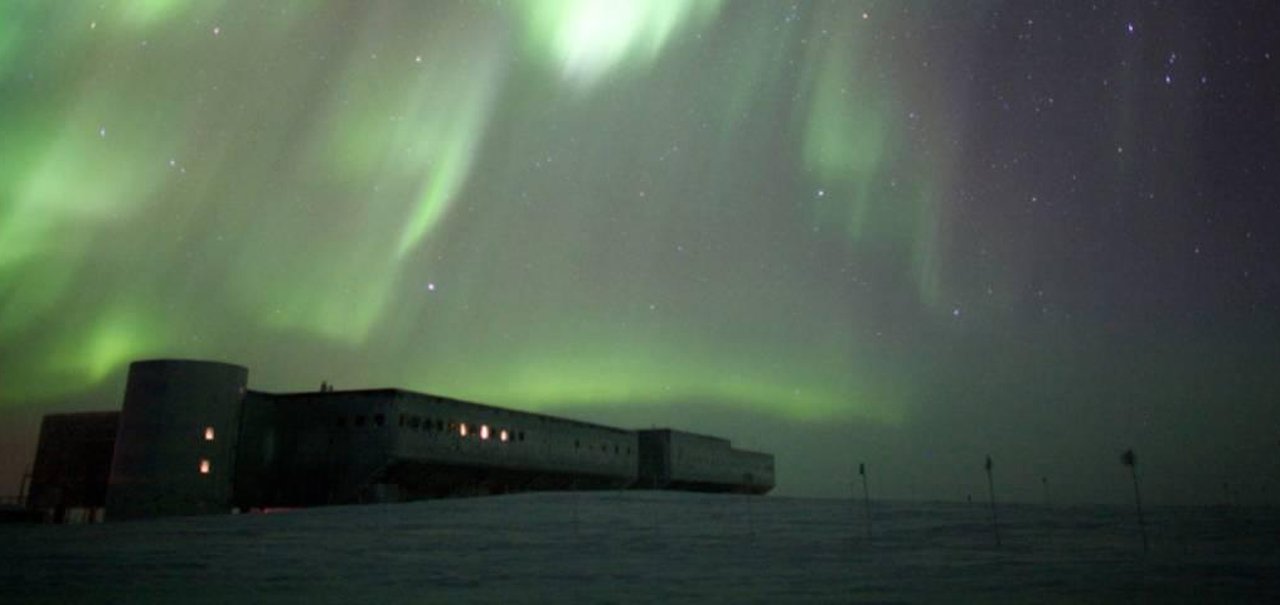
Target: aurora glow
[[316, 185], [828, 213]]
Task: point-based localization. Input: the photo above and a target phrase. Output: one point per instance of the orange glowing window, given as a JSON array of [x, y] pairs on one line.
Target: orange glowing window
[[208, 433], [204, 466], [502, 435], [484, 431], [462, 429]]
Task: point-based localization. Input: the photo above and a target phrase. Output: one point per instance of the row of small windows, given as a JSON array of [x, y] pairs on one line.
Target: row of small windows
[[604, 447], [417, 423], [462, 429], [484, 432], [359, 420], [465, 430]]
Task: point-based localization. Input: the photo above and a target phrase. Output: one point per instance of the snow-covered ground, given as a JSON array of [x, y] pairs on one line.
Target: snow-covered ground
[[653, 547]]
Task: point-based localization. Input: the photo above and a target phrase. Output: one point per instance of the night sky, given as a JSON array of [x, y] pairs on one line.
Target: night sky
[[905, 233]]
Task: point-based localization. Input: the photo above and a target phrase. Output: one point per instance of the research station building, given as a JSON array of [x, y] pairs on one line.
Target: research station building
[[192, 438]]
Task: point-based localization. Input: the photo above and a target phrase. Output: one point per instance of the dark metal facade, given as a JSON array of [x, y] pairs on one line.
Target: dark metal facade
[[192, 439], [73, 462]]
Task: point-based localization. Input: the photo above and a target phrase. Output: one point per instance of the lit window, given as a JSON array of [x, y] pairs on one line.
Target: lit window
[[208, 433], [502, 435], [462, 429], [484, 431], [204, 466]]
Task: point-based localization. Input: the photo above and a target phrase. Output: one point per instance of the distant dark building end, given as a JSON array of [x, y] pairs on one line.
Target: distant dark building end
[[73, 463], [193, 439]]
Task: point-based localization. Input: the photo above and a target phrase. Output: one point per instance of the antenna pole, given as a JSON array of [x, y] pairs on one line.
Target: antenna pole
[[866, 496], [991, 493], [1129, 459]]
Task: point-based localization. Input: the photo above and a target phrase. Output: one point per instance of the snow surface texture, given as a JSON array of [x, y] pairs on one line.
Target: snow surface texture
[[606, 547]]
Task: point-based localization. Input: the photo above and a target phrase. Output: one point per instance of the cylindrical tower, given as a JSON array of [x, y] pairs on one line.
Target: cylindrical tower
[[175, 448]]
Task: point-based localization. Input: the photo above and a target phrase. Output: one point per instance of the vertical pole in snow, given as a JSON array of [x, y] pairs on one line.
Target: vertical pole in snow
[[573, 495], [1129, 459], [991, 493], [866, 496]]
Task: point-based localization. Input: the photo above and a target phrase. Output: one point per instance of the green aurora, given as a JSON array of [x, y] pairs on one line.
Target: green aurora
[[439, 180], [910, 233]]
